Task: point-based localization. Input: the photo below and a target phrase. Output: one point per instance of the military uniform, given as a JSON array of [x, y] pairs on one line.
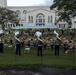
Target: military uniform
[[65, 44], [18, 47], [57, 46], [39, 52], [1, 45]]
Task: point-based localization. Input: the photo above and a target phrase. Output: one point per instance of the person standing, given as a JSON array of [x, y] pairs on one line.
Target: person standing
[[40, 43], [57, 46], [1, 44], [18, 46]]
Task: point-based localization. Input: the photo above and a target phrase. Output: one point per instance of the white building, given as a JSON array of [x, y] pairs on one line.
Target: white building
[[34, 15]]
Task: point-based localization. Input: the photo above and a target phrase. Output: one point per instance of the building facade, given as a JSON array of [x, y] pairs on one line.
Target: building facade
[[34, 15]]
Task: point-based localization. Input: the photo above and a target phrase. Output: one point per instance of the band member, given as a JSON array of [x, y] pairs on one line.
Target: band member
[[70, 45], [18, 46], [65, 44], [1, 44], [40, 43], [58, 41], [57, 46]]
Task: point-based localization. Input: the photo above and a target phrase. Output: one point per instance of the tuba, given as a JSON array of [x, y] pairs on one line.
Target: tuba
[[16, 36], [57, 36], [38, 34]]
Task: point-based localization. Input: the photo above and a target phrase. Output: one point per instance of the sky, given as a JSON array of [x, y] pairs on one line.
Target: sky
[[29, 2]]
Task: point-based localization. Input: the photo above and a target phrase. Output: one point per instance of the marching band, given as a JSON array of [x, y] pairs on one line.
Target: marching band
[[52, 43]]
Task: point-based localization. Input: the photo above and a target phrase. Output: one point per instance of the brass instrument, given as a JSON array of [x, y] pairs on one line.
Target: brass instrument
[[16, 34], [57, 36], [38, 34]]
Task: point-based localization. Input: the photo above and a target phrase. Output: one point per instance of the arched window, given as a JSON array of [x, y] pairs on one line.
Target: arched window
[[24, 15], [40, 19], [18, 14]]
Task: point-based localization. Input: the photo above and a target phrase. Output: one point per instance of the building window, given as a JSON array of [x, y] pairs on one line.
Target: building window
[[40, 19], [11, 25], [21, 24], [50, 19], [30, 19], [18, 13], [61, 25], [24, 15], [16, 25]]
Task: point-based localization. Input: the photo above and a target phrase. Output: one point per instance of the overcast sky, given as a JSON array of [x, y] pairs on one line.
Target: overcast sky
[[29, 2]]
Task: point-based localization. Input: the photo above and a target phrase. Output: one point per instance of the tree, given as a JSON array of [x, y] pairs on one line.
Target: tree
[[6, 16], [66, 9]]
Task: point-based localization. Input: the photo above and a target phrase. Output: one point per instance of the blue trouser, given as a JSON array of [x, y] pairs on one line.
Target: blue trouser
[[39, 50], [51, 46], [57, 49], [18, 51], [1, 47]]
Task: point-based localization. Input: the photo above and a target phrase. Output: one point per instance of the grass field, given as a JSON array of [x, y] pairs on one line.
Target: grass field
[[9, 59]]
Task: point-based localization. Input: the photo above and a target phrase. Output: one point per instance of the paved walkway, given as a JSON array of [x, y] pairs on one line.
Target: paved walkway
[[55, 71], [37, 71]]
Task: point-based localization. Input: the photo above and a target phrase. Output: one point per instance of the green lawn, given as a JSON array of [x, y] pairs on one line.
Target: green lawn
[[9, 59]]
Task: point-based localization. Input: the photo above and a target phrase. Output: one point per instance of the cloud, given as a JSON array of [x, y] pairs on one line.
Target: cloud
[[29, 2]]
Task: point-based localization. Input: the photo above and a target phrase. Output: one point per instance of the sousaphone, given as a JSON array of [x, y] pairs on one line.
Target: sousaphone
[[17, 35]]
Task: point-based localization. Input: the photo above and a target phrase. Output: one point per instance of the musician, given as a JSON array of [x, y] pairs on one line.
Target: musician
[[44, 40], [71, 45], [1, 44], [39, 43], [18, 46], [57, 46], [65, 44]]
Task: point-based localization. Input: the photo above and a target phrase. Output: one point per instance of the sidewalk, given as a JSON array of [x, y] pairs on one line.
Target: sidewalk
[[55, 71]]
